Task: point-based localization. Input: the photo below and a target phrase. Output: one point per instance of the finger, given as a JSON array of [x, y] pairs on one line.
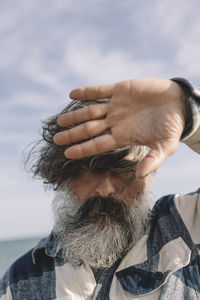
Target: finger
[[91, 112], [80, 132], [149, 165], [95, 146], [93, 92], [155, 158]]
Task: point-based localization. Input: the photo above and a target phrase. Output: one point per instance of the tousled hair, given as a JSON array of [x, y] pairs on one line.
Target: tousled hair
[[47, 161]]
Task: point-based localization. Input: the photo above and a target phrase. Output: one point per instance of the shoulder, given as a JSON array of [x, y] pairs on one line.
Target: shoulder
[[24, 268], [188, 206], [18, 271], [180, 202], [26, 274], [178, 215]]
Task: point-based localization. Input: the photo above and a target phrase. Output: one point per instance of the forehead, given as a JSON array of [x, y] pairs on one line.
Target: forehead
[[120, 161]]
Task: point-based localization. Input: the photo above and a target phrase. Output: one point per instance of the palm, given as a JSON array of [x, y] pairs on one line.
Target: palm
[[144, 127]]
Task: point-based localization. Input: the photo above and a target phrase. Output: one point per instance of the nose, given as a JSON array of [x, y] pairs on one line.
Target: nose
[[105, 186]]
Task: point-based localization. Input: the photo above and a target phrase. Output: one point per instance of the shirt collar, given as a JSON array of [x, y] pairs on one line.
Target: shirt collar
[[48, 246]]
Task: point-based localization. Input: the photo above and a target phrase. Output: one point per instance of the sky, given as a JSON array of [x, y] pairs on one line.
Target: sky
[[49, 47]]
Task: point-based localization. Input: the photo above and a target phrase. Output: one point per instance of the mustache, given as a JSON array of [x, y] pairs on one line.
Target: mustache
[[97, 208]]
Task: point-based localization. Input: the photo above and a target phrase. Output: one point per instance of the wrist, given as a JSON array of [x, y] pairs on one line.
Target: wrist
[[191, 99]]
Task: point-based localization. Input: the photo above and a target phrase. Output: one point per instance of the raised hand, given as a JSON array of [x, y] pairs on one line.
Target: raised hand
[[147, 112]]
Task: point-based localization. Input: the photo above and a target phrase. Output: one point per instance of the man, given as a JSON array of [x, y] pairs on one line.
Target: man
[[107, 242]]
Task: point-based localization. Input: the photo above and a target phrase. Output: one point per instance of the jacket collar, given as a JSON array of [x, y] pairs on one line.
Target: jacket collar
[[138, 272], [49, 246]]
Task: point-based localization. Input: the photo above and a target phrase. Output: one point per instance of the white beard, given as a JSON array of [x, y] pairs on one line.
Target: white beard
[[91, 243]]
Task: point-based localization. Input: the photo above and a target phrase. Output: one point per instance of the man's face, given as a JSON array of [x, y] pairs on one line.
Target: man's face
[[121, 186], [104, 214]]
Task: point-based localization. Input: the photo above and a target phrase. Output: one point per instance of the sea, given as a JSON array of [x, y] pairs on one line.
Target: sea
[[12, 249]]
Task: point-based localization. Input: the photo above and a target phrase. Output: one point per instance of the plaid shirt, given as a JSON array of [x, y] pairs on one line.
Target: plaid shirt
[[163, 264]]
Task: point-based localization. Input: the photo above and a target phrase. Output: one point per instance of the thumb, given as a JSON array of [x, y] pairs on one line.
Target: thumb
[[154, 159]]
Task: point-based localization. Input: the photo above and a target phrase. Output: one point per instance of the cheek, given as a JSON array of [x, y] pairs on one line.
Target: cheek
[[132, 191], [82, 189]]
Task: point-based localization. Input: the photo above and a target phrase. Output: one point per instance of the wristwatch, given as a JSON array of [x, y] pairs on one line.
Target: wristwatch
[[192, 90], [193, 101]]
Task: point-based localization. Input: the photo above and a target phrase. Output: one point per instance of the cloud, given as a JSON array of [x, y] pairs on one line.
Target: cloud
[[33, 67], [13, 138], [48, 47], [30, 35], [33, 100], [96, 65], [181, 30], [24, 207]]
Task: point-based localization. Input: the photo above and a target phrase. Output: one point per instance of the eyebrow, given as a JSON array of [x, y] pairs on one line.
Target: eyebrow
[[118, 166]]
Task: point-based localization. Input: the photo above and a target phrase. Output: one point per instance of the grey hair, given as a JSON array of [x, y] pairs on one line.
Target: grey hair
[[47, 161], [85, 240]]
